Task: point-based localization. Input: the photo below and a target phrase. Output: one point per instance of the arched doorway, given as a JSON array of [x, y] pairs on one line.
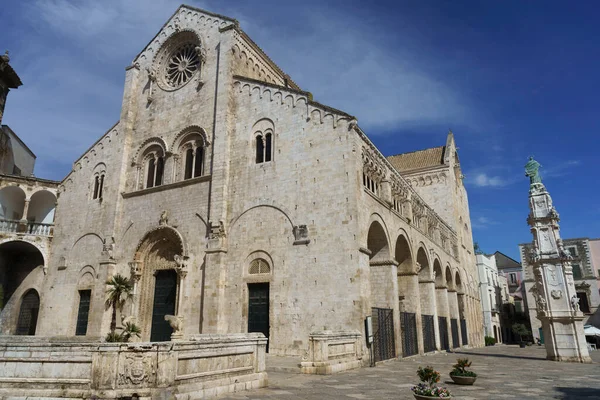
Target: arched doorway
[[157, 278], [427, 300], [17, 260], [460, 292], [28, 313], [383, 271], [408, 293], [441, 299]]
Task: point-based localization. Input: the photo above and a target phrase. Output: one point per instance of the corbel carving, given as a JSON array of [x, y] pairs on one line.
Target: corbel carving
[[300, 234]]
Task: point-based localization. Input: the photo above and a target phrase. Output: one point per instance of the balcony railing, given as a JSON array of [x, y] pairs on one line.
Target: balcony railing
[[29, 228], [40, 229], [9, 225]]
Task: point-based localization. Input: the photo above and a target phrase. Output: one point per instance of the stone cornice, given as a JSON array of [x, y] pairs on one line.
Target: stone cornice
[[186, 182]]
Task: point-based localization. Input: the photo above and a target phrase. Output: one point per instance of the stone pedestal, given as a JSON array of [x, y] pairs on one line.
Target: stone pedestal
[[554, 291], [330, 352]]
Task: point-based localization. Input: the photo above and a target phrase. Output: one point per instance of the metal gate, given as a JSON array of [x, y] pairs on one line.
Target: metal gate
[[463, 331], [454, 328], [408, 325], [443, 324], [428, 333], [384, 346]]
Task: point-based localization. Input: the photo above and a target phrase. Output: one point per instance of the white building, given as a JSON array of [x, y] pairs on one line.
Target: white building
[[493, 291]]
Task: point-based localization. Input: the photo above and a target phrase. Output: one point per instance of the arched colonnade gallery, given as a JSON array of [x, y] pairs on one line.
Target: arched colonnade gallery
[[428, 304]]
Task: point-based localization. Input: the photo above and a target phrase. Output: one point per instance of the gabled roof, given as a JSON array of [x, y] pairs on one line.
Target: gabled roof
[[235, 25], [420, 159], [10, 133], [504, 261]]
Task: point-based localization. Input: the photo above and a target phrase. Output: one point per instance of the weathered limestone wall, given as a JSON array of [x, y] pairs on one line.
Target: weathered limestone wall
[[304, 184], [204, 366]]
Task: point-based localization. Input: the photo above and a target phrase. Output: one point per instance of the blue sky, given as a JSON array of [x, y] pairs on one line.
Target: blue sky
[[509, 78]]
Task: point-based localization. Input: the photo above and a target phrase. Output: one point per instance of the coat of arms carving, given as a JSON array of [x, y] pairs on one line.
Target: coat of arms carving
[[135, 369]]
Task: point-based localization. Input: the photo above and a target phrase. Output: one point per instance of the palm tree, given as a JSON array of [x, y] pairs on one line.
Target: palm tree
[[120, 289], [130, 330]]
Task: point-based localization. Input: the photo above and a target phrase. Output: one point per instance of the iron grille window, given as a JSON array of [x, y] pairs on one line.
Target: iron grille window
[[428, 333], [384, 346], [408, 325], [454, 328], [259, 266], [463, 331]]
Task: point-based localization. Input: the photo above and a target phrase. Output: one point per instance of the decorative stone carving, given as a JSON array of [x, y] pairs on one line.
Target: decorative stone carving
[[217, 231], [152, 83], [542, 306], [556, 294], [127, 319], [164, 218], [561, 250], [135, 270], [575, 303], [300, 234], [108, 248], [135, 369], [176, 323], [182, 265]]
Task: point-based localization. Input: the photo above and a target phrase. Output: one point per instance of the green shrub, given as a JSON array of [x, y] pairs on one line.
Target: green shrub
[[490, 341], [460, 368]]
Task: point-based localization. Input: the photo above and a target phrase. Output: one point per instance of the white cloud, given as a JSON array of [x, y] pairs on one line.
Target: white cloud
[[482, 222], [483, 180], [73, 88]]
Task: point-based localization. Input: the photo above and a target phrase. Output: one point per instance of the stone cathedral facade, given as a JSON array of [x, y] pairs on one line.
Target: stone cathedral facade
[[236, 203]]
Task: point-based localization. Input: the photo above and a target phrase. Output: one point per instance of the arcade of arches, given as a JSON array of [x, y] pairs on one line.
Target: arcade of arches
[[428, 306]]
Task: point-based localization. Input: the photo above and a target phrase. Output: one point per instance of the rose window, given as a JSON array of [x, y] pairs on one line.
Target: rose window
[[182, 65]]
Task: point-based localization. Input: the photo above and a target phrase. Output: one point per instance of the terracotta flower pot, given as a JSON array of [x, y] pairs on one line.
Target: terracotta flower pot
[[421, 397], [463, 380]]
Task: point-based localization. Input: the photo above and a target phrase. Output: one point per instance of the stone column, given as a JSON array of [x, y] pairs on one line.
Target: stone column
[[427, 301], [454, 314], [441, 298]]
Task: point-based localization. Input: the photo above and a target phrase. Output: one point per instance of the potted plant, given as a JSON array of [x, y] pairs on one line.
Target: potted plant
[[460, 375], [520, 330], [427, 388]]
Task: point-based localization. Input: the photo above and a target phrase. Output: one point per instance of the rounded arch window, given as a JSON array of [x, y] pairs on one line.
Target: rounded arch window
[[179, 60], [259, 266]]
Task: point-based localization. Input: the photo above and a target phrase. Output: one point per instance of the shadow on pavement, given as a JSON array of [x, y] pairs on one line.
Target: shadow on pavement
[[577, 393], [499, 355]]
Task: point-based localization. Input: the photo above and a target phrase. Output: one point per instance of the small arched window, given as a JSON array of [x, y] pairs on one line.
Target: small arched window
[[98, 185], [259, 266], [154, 171], [194, 162], [264, 147]]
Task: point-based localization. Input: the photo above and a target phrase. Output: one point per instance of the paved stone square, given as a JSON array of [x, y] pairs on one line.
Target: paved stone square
[[505, 372]]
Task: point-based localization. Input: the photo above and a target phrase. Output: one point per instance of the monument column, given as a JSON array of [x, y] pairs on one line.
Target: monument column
[[554, 290]]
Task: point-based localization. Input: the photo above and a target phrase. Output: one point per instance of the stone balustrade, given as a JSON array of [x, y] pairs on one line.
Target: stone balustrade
[[332, 351], [28, 228], [199, 367]]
